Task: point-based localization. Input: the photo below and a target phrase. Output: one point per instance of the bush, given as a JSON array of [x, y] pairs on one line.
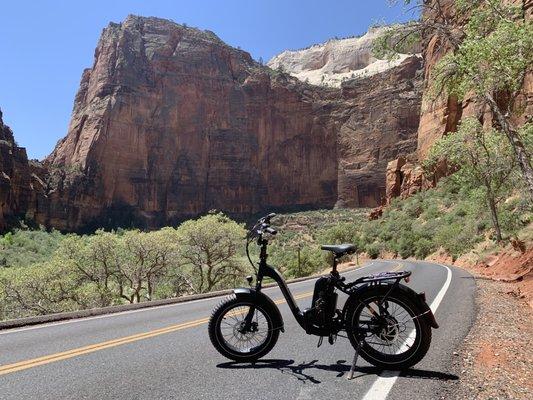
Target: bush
[[373, 250], [23, 248]]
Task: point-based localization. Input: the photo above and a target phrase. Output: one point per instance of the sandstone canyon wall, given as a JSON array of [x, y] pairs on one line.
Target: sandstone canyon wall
[[171, 122], [21, 187], [440, 116]]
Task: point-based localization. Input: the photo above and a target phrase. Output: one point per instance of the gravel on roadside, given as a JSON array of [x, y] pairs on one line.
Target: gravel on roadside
[[496, 359]]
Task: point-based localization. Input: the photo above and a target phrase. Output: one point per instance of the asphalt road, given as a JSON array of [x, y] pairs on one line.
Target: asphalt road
[[165, 353]]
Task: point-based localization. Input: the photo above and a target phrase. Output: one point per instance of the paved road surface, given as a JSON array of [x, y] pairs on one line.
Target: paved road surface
[[165, 353]]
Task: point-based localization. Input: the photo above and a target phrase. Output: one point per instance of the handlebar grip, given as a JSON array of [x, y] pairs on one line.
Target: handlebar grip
[[268, 217]]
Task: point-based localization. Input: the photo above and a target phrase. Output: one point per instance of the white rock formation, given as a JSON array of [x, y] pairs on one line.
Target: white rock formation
[[336, 60]]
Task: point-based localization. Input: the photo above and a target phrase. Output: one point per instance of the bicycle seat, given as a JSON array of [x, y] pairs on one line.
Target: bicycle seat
[[339, 249]]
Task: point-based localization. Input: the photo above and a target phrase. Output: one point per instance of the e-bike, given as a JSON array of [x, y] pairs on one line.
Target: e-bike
[[387, 323]]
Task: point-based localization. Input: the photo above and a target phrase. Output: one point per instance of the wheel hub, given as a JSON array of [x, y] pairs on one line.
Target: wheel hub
[[389, 329], [240, 327]]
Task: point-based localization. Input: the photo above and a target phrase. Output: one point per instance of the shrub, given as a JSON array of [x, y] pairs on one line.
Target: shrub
[[23, 248], [373, 250]]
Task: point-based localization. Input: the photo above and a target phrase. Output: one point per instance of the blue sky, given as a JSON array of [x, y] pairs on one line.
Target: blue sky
[[45, 45]]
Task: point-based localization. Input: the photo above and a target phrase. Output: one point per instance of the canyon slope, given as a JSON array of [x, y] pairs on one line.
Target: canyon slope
[[171, 122]]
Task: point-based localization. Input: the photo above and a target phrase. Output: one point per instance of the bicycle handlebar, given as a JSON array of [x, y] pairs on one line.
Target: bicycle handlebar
[[262, 226]]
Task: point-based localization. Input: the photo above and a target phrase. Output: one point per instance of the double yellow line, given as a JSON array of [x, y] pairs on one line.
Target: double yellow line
[[35, 362]]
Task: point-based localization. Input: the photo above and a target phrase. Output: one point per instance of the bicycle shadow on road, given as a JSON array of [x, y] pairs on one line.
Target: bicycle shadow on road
[[341, 367]]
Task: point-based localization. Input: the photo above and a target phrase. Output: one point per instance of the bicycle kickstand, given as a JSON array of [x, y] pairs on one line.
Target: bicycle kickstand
[[355, 356]]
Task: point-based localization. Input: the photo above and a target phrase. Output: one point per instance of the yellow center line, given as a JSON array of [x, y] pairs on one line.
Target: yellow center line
[[22, 365]]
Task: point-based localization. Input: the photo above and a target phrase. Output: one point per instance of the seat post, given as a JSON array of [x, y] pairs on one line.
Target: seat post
[[334, 263]]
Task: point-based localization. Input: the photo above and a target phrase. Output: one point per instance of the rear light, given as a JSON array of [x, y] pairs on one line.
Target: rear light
[[407, 279], [422, 296]]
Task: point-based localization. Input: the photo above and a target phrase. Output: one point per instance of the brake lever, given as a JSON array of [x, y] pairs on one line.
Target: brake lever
[[252, 232], [270, 230]]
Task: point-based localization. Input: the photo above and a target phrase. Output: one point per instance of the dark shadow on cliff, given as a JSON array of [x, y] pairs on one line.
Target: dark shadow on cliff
[[125, 216], [119, 216], [303, 371]]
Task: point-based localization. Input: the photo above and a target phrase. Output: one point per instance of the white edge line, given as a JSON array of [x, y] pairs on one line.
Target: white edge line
[[382, 386], [117, 314]]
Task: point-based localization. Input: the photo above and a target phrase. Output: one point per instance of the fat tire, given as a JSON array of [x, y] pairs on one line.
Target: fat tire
[[382, 360], [214, 330]]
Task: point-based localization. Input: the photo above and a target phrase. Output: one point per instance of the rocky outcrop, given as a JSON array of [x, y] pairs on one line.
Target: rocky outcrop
[[21, 187], [338, 60], [170, 122], [441, 115]]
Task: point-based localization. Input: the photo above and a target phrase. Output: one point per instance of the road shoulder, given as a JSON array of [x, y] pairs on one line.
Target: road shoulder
[[495, 359]]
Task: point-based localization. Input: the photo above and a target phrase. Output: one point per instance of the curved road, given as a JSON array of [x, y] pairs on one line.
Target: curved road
[[164, 352]]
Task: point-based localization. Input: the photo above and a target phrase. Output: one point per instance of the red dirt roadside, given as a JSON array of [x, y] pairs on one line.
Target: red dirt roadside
[[495, 361]]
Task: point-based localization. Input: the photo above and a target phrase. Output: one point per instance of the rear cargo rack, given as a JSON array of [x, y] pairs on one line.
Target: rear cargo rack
[[384, 276], [381, 277]]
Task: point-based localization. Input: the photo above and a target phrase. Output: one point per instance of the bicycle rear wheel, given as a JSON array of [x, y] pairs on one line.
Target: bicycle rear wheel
[[391, 336]]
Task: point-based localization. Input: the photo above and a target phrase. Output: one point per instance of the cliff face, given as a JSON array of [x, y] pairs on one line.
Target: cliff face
[[382, 127], [170, 122], [442, 115], [20, 185]]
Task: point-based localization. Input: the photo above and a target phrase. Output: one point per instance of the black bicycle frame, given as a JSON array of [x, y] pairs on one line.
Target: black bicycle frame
[[266, 270], [337, 281]]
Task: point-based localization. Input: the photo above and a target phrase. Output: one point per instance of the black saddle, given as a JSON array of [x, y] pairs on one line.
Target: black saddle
[[339, 249]]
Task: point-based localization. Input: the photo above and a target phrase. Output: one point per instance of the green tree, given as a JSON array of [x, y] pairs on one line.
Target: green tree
[[209, 248], [40, 289], [490, 55], [125, 266], [482, 159], [94, 259], [144, 259]]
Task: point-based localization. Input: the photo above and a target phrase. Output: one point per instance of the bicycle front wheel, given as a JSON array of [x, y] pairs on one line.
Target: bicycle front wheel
[[235, 339]]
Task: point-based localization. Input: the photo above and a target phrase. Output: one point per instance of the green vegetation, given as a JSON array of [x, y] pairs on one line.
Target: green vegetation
[[451, 217], [481, 160], [23, 247], [58, 272], [50, 272]]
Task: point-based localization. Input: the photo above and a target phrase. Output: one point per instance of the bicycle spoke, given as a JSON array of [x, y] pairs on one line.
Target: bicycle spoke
[[233, 322], [392, 329]]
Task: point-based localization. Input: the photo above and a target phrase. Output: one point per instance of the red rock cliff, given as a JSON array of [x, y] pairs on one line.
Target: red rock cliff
[[171, 122], [20, 186], [440, 116]]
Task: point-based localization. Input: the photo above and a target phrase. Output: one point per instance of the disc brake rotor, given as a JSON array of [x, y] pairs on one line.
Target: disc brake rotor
[[389, 330]]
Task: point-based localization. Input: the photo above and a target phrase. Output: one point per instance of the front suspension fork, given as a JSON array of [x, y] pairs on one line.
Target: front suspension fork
[[248, 320]]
